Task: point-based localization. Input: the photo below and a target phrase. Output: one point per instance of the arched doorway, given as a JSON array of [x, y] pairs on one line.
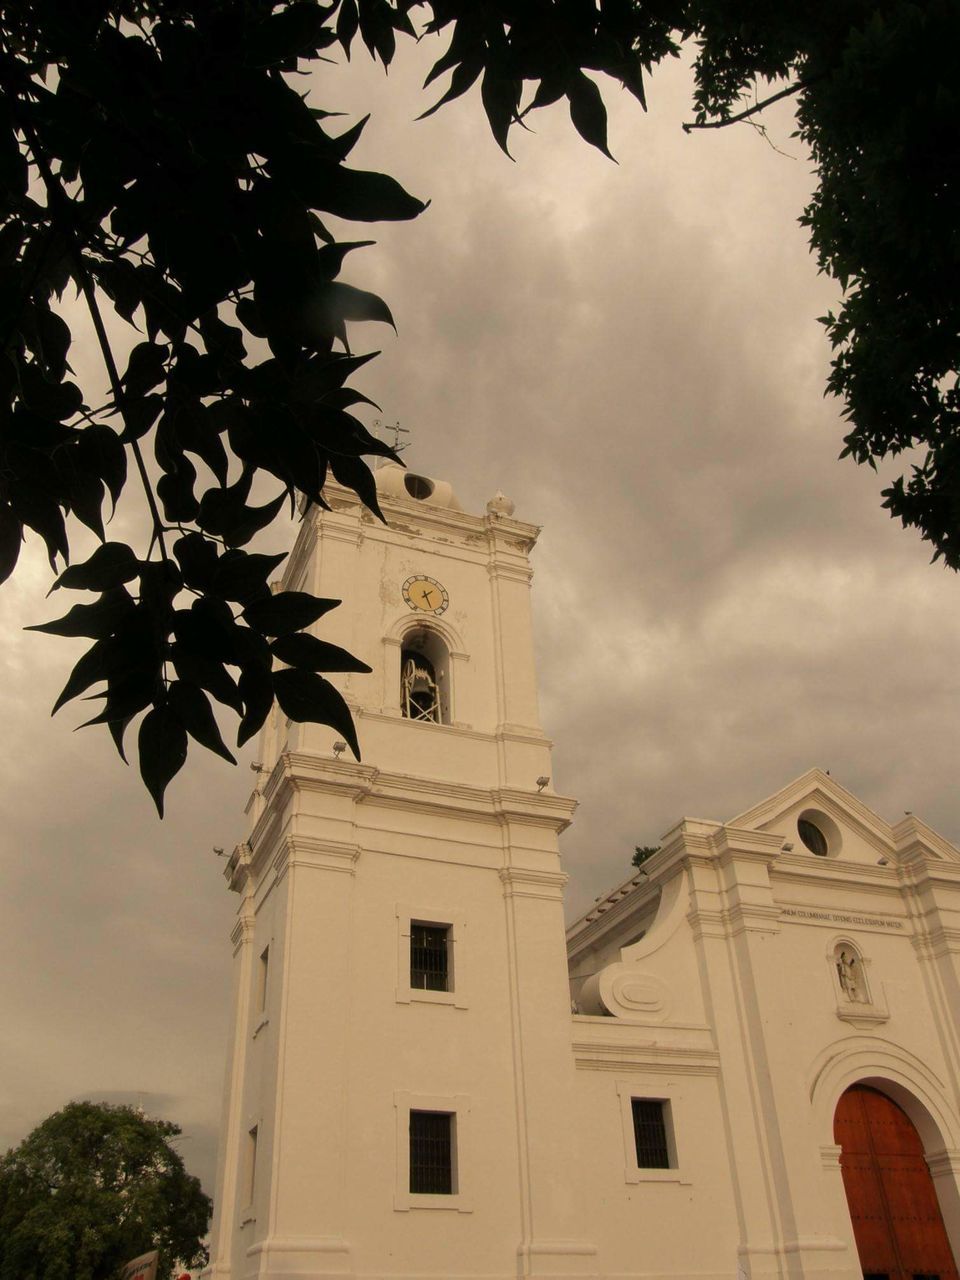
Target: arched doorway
[[893, 1205]]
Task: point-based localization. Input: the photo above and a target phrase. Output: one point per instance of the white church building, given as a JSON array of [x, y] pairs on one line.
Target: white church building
[[744, 1062]]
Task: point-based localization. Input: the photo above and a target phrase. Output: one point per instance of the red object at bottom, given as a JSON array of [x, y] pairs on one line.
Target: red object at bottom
[[893, 1204]]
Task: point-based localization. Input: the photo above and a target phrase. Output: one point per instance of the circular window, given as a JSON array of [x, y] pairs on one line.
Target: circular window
[[812, 837], [418, 487]]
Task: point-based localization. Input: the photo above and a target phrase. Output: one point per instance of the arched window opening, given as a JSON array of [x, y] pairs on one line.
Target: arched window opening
[[425, 677]]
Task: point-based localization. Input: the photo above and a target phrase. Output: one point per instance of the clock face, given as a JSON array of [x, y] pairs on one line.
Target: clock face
[[426, 594]]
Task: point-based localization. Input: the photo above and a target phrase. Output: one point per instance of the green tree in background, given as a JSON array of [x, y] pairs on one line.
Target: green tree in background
[[92, 1187], [642, 852], [157, 158]]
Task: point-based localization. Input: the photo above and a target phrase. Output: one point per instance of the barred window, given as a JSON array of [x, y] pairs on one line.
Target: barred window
[[650, 1132], [429, 956], [431, 1153]]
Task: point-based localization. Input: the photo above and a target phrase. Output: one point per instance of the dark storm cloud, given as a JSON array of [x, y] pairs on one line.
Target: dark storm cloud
[[630, 351]]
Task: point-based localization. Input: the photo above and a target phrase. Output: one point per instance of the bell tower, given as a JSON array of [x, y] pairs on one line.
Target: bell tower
[[400, 1061]]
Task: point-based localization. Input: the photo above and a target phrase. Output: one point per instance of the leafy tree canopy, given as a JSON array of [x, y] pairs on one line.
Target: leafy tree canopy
[[92, 1187], [159, 158], [642, 852]]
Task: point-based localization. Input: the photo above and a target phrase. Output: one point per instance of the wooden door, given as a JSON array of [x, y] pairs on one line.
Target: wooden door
[[893, 1204]]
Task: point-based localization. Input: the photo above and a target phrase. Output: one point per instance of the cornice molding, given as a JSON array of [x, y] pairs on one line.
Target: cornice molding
[[507, 572], [370, 785], [429, 517], [915, 841], [738, 918], [591, 1055], [298, 850], [238, 869], [520, 882], [815, 784], [242, 931]]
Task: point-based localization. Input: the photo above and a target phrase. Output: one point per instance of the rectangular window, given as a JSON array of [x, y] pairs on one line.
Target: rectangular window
[[251, 1170], [650, 1134], [431, 1153], [262, 979], [429, 956]]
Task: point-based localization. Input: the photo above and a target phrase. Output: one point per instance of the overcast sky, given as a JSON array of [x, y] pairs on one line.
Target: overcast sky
[[630, 352]]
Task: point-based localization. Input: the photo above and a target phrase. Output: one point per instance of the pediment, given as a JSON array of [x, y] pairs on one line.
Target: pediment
[[853, 832]]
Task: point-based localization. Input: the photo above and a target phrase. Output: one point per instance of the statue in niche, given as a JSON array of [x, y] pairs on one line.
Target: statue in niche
[[850, 973]]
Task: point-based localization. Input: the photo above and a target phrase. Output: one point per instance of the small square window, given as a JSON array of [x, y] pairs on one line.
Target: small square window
[[650, 1133], [429, 956], [431, 1153], [432, 959]]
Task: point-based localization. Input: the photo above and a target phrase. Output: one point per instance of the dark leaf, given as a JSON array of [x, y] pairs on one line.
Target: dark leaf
[[286, 612], [93, 666], [54, 335], [349, 303], [207, 672], [93, 620], [146, 368], [58, 400], [126, 696], [101, 452], [117, 729], [86, 499], [587, 112], [220, 508], [139, 414], [163, 750], [464, 76], [43, 516], [11, 537], [243, 577], [348, 20], [249, 316], [197, 557], [251, 520], [175, 491], [305, 696], [357, 194], [191, 706], [500, 97], [356, 475], [110, 566], [256, 689], [311, 654], [297, 30]]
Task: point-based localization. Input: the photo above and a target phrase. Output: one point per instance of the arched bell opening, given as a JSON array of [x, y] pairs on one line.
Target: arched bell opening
[[424, 677], [895, 1209]]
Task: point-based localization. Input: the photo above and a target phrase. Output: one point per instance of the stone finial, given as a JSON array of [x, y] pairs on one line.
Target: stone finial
[[500, 505]]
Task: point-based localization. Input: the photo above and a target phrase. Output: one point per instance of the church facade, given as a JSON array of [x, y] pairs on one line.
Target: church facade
[[743, 1062]]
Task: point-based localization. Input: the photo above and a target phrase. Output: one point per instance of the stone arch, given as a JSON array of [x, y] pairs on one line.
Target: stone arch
[[893, 1070], [914, 1087], [444, 628], [447, 667]]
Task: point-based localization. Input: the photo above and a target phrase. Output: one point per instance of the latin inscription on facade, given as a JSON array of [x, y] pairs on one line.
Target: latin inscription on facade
[[837, 917]]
